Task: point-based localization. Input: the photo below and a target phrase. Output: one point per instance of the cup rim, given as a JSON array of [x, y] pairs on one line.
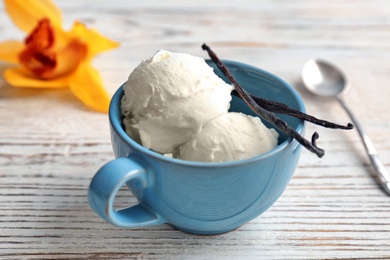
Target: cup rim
[[116, 123]]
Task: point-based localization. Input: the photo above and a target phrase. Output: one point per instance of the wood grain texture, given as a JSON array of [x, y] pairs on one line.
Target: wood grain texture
[[51, 146]]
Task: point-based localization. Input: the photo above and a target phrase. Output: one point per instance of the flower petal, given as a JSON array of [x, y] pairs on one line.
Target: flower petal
[[21, 77], [87, 84], [69, 58], [95, 41], [10, 50], [26, 13], [42, 36]]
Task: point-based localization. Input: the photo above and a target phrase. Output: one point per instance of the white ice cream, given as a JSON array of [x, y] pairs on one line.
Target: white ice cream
[[169, 97], [232, 136]]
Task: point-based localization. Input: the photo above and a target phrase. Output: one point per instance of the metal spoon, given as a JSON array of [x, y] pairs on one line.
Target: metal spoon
[[324, 79]]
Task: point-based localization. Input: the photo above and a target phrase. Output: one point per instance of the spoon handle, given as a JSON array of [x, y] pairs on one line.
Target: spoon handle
[[382, 174]]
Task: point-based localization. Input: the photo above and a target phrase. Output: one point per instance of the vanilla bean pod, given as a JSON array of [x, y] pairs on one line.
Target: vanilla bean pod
[[281, 108], [269, 116]]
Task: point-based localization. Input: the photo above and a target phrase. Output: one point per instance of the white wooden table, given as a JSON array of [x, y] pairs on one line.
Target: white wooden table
[[51, 146]]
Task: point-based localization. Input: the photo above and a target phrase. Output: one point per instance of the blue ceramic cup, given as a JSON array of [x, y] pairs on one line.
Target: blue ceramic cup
[[195, 197]]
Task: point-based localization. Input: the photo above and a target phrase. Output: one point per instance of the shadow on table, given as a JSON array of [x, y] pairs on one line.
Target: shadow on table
[[71, 228]]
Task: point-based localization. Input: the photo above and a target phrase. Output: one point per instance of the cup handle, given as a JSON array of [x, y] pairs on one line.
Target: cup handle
[[105, 186]]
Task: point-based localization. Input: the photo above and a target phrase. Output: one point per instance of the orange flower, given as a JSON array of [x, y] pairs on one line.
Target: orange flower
[[51, 57]]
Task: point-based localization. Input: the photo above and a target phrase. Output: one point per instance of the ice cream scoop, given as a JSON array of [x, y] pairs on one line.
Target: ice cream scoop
[[230, 137], [169, 97]]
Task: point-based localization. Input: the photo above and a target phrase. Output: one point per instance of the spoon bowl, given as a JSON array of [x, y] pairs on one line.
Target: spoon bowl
[[324, 79]]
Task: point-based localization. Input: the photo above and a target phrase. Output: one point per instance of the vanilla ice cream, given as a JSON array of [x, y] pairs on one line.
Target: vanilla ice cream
[[232, 136], [169, 97]]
